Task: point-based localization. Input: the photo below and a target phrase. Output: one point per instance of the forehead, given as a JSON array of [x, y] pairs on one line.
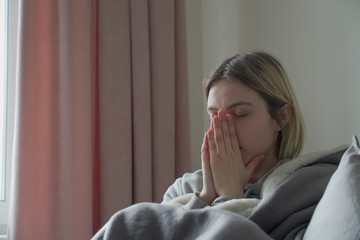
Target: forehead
[[226, 92]]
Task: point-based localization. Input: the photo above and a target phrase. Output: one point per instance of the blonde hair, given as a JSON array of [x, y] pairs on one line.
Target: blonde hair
[[264, 74]]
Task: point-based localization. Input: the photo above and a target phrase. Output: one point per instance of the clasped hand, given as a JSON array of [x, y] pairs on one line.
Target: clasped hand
[[224, 173]]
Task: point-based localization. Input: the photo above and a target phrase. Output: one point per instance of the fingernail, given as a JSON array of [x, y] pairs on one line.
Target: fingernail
[[221, 114], [229, 118]]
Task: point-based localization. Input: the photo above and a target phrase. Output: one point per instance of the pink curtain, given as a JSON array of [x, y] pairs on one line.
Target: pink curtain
[[102, 112]]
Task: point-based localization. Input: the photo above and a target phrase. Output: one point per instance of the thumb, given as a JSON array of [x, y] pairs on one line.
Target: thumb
[[250, 167], [205, 153]]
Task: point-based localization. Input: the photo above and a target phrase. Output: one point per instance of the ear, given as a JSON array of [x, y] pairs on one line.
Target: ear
[[284, 115]]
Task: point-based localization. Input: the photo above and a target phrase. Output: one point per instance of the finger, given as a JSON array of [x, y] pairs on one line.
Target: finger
[[225, 131], [208, 193], [205, 150], [205, 160], [252, 164], [232, 132], [218, 136], [212, 122], [212, 146]]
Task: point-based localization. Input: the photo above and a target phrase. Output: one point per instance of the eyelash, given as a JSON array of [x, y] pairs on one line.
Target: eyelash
[[240, 116], [234, 115]]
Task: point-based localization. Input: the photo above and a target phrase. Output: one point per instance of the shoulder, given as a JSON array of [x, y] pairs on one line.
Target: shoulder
[[316, 164]]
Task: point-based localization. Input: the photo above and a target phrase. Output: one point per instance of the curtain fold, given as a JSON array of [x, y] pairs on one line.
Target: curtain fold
[[141, 87], [102, 112]]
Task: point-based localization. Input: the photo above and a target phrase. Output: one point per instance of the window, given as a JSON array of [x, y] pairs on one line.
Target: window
[[8, 53], [3, 115], [3, 54]]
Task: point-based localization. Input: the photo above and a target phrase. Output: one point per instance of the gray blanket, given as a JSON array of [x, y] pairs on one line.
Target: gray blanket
[[156, 221], [284, 212]]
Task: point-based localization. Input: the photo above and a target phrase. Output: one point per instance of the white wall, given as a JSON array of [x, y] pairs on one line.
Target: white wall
[[316, 40], [194, 39]]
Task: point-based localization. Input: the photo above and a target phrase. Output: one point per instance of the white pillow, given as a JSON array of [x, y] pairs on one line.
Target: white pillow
[[337, 215]]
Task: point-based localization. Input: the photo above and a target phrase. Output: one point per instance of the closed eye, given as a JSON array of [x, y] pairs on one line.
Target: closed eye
[[240, 115]]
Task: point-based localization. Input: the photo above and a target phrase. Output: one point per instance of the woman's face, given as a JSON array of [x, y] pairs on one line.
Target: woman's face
[[256, 130]]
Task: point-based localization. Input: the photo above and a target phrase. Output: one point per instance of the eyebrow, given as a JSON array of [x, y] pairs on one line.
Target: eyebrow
[[240, 103]]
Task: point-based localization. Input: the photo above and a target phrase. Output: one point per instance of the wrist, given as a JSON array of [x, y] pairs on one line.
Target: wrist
[[205, 197]]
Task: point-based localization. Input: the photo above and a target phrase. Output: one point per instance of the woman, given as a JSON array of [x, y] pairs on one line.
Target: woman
[[255, 122], [251, 168]]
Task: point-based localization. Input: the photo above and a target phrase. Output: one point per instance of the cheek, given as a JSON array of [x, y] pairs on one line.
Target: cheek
[[255, 136], [246, 134]]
